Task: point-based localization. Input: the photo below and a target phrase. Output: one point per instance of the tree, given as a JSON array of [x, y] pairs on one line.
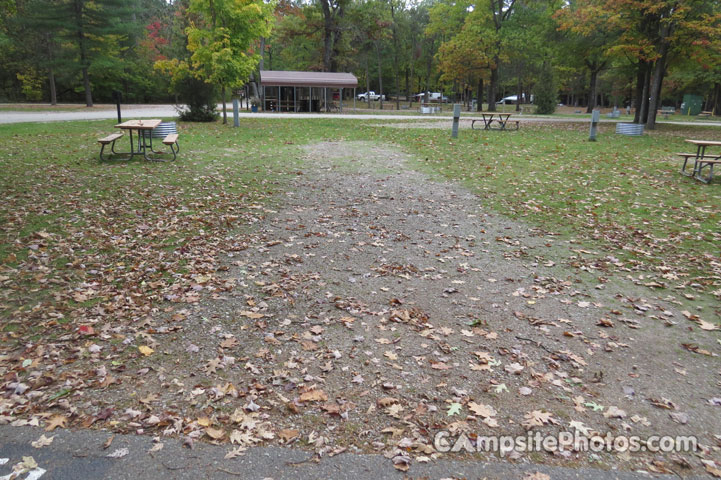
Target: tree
[[590, 33], [333, 13], [463, 57], [220, 38], [95, 29], [656, 32], [546, 93]]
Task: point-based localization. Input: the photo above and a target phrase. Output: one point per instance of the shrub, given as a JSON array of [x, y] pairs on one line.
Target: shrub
[[201, 100]]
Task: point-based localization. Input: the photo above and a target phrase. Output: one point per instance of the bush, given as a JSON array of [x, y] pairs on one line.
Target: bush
[[546, 90], [201, 100]]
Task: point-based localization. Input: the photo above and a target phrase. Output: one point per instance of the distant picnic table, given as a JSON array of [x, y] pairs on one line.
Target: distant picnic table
[[495, 121]]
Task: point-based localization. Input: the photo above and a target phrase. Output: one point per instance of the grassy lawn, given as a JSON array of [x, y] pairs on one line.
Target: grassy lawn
[[621, 195], [79, 236]]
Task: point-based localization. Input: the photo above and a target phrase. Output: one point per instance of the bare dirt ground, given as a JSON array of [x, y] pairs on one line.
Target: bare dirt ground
[[375, 307]]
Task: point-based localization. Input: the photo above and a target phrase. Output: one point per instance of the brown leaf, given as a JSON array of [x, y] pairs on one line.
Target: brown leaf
[[537, 418], [481, 410], [387, 401], [605, 322], [313, 396], [229, 342], [215, 433], [56, 421], [288, 435]]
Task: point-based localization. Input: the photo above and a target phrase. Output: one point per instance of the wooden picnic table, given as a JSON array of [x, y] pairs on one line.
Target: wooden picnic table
[[489, 119], [701, 160], [144, 130]]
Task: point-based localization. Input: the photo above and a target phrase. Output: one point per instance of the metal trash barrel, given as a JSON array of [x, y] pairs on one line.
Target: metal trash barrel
[[165, 129], [633, 129]]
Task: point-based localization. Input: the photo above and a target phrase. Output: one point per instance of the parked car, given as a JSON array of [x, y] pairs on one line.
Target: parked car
[[372, 95], [432, 97], [511, 99]]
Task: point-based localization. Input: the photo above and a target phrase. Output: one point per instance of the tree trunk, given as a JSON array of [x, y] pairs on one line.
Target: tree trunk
[[53, 90], [493, 86], [225, 110], [261, 62], [408, 87], [592, 91], [644, 94], [86, 86], [638, 95], [519, 94], [254, 85], [51, 71], [380, 74], [655, 100], [368, 86], [479, 105], [717, 99], [327, 35], [78, 5]]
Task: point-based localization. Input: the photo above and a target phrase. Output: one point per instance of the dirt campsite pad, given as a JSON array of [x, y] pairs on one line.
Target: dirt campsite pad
[[374, 309]]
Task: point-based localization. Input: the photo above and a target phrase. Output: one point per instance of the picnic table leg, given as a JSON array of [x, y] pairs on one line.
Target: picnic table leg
[[132, 143], [695, 162], [700, 153], [141, 133], [102, 147]]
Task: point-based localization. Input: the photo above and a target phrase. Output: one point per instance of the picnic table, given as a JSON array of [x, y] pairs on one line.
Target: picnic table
[[500, 120], [144, 129], [701, 160]]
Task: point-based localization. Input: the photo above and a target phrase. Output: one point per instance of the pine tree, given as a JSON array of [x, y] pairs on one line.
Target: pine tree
[[546, 90], [96, 32]]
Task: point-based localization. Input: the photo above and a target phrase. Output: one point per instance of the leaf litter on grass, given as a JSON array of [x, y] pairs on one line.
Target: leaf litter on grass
[[350, 316]]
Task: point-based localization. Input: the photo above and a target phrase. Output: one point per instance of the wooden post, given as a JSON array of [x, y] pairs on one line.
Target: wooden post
[[295, 100], [325, 98], [341, 100]]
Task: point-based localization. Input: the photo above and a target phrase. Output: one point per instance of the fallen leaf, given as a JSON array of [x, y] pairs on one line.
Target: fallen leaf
[[43, 441], [215, 433], [56, 421], [119, 453], [454, 409], [313, 396], [288, 435], [145, 350]]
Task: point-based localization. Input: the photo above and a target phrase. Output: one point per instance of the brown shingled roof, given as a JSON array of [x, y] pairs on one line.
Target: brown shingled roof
[[274, 78]]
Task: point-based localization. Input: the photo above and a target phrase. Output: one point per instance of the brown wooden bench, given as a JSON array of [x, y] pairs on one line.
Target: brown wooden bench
[[110, 139], [172, 141]]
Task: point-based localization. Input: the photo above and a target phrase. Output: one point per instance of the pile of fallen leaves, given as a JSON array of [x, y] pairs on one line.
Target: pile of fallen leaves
[[92, 252]]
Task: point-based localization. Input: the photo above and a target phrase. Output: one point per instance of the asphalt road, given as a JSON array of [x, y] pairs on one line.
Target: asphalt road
[[80, 455], [102, 112]]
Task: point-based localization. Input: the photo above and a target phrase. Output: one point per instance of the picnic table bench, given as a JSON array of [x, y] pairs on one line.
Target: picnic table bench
[[701, 160], [666, 111], [110, 139], [500, 120]]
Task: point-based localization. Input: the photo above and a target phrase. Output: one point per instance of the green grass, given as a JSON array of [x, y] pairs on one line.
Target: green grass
[[620, 194], [75, 232]]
